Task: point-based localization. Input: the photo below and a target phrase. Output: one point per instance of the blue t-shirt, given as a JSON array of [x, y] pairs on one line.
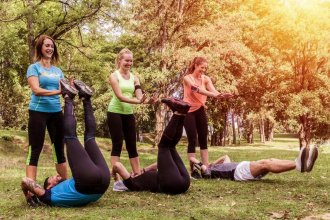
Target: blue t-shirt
[[48, 79], [65, 195]]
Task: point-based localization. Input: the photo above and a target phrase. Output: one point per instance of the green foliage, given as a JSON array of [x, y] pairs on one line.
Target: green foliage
[[273, 54]]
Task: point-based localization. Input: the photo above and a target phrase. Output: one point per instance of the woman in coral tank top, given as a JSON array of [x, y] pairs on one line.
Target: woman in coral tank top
[[197, 87]]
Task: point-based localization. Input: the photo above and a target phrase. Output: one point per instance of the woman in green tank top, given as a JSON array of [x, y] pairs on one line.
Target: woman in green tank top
[[121, 121]]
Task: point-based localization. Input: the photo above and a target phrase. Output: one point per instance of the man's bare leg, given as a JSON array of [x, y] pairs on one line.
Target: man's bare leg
[[262, 167]]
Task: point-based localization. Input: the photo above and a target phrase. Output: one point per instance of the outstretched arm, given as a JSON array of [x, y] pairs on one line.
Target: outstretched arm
[[194, 88], [121, 170], [29, 185]]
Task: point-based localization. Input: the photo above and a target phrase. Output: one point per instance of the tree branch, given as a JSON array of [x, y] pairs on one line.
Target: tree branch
[[76, 47]]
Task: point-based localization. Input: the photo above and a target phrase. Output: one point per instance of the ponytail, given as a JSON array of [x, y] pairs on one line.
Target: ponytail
[[196, 61]]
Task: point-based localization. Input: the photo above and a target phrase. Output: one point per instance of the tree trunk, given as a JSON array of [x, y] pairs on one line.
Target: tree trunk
[[216, 138], [160, 123], [30, 35], [233, 127], [304, 131], [224, 130], [269, 130], [262, 130], [250, 132], [239, 135]]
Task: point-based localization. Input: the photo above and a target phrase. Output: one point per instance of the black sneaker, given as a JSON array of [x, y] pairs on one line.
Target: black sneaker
[[177, 105], [67, 89], [30, 201], [84, 90], [301, 160], [312, 156], [206, 174], [198, 166], [195, 174], [36, 200]]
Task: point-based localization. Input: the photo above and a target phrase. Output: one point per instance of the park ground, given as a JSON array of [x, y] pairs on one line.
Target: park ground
[[291, 195]]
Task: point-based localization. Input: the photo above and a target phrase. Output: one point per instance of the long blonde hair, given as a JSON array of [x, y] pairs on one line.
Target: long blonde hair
[[120, 56]]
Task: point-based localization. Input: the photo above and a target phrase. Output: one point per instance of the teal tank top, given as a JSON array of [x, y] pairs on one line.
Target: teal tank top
[[127, 89]]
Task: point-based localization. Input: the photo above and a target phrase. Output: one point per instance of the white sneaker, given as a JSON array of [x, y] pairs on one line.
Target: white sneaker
[[312, 156], [119, 186], [301, 160]]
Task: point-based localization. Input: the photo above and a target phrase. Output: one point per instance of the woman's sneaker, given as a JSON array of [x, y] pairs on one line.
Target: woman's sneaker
[[67, 89], [119, 186], [84, 90]]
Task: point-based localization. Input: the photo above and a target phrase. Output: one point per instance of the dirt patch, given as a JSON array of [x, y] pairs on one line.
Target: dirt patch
[[325, 216]]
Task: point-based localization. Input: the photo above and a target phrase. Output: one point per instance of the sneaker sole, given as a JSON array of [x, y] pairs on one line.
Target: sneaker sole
[[314, 156], [303, 160], [119, 190], [69, 88], [81, 86]]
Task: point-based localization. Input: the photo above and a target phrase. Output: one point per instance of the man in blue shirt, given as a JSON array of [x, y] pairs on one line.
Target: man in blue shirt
[[90, 173]]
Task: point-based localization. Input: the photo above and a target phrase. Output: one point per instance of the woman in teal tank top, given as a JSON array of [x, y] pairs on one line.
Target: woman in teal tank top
[[121, 121]]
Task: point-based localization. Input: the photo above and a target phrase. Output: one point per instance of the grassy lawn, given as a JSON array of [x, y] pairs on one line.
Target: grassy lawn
[[290, 195]]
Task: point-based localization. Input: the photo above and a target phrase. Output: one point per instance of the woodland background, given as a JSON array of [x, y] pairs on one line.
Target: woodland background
[[273, 54]]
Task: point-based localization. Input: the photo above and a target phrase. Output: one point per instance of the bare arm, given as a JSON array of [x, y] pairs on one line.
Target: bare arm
[[34, 84], [210, 87], [138, 92], [115, 87], [121, 170], [222, 159], [189, 82], [29, 185]]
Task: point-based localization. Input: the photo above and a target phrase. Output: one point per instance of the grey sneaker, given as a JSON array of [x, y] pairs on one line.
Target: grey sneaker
[[67, 89], [313, 153], [301, 160], [84, 90], [119, 186]]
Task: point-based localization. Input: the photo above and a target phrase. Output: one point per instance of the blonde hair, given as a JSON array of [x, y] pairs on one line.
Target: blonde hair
[[120, 56]]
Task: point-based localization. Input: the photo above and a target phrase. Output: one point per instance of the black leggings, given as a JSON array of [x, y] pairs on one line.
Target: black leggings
[[195, 125], [38, 121], [88, 167], [122, 127], [172, 176]]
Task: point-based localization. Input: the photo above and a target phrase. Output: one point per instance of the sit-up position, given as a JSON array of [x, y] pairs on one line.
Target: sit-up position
[[223, 168], [90, 173], [169, 175]]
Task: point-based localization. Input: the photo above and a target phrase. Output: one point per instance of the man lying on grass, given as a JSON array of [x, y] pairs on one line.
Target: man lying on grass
[[223, 168], [91, 176]]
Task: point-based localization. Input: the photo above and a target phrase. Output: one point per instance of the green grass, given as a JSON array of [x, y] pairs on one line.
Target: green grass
[[290, 195]]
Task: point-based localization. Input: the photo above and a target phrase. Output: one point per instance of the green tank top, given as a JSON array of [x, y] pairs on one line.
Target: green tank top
[[127, 89]]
